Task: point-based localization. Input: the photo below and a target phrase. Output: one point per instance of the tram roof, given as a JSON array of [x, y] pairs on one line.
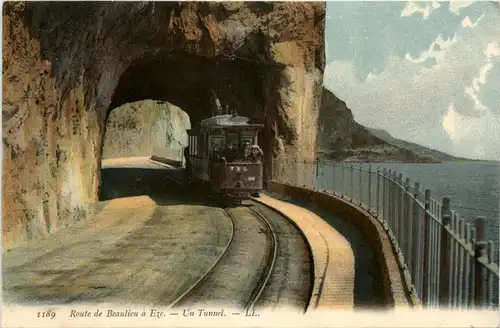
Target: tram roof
[[227, 120]]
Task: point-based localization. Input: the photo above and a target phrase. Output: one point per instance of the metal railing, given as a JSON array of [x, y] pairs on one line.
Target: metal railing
[[449, 261]]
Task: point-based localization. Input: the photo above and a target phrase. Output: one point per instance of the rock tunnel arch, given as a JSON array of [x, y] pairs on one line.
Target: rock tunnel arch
[[65, 66], [204, 86], [144, 129]]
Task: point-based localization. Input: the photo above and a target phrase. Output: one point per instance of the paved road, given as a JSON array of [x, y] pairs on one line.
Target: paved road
[[133, 162], [147, 247], [136, 176], [133, 251]]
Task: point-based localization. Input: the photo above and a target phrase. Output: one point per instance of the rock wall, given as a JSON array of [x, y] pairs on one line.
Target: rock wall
[[50, 142], [66, 64], [146, 128]]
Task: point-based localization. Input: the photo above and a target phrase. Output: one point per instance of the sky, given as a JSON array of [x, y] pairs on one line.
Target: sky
[[426, 72]]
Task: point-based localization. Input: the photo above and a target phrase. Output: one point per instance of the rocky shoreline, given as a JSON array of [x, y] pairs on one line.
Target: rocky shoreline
[[386, 154]]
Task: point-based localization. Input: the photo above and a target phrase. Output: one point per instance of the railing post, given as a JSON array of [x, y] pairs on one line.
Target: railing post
[[473, 271], [314, 166], [370, 188], [479, 268], [360, 187], [394, 202], [311, 175], [396, 205], [378, 192], [399, 195], [351, 196], [389, 199], [453, 261], [415, 255], [490, 252], [444, 256], [384, 194], [317, 167], [342, 189], [467, 273], [407, 235], [270, 174], [425, 276], [333, 178], [461, 255], [304, 174]]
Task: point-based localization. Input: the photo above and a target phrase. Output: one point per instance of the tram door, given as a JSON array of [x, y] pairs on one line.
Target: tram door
[[203, 155], [216, 144]]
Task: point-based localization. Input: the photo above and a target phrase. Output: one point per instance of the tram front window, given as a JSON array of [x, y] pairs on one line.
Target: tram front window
[[232, 138], [231, 147]]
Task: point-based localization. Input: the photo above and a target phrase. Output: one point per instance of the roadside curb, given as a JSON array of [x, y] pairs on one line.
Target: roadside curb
[[397, 292], [333, 259], [176, 164]]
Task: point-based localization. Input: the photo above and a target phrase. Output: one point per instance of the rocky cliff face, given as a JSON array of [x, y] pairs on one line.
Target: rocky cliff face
[[146, 128], [341, 138], [66, 64], [337, 127]]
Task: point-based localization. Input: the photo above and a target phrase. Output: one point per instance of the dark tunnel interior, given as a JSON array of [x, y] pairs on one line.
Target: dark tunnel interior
[[195, 83]]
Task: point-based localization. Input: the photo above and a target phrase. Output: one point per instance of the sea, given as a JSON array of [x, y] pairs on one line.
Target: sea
[[473, 187]]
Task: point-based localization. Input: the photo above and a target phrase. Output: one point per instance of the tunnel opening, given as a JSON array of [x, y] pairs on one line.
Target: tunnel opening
[[142, 139], [146, 128], [198, 86]]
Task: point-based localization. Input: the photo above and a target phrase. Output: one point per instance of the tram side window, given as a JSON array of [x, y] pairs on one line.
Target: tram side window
[[192, 145], [200, 144], [216, 144], [206, 145]]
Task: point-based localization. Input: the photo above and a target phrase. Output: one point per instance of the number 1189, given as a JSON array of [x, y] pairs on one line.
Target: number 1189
[[46, 314]]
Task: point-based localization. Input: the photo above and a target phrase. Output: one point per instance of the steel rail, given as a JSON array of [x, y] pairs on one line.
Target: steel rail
[[268, 269]]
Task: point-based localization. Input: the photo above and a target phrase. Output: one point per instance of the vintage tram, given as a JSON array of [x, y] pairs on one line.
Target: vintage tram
[[230, 178]]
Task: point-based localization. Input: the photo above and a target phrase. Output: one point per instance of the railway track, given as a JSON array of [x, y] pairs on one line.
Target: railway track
[[210, 269], [268, 268], [283, 269], [203, 283], [285, 278], [291, 285]]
